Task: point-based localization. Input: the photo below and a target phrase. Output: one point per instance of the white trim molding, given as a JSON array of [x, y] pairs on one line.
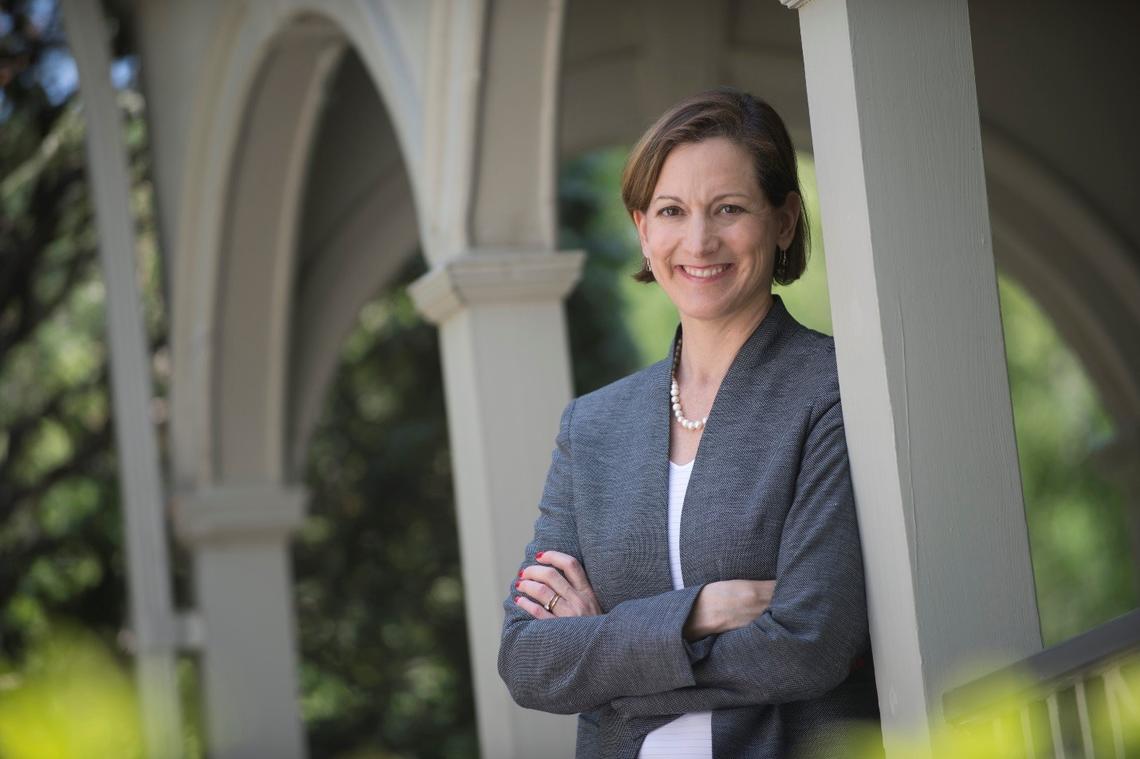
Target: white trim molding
[[239, 513], [488, 276], [794, 5]]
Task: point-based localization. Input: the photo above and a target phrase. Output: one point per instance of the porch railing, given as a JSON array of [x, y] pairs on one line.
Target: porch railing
[[1078, 698]]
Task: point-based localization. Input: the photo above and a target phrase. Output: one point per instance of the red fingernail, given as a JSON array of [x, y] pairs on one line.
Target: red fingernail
[[539, 554], [518, 598], [520, 573], [518, 583]]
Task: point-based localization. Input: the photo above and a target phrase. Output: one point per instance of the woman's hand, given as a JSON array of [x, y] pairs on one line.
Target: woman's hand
[[727, 605], [556, 575]]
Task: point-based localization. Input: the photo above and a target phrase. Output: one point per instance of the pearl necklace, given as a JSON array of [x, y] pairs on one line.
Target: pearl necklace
[[675, 396]]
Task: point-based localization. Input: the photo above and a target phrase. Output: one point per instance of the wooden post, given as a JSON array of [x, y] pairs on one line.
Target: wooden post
[[919, 344]]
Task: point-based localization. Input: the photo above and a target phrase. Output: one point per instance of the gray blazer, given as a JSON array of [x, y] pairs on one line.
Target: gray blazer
[[769, 497]]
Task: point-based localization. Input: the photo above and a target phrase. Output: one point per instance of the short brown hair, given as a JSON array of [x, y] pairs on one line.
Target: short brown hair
[[748, 121]]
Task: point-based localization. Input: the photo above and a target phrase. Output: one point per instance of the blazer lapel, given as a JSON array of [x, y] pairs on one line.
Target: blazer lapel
[[647, 545], [729, 425]]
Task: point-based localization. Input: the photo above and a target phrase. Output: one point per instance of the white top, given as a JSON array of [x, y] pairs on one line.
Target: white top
[[690, 735]]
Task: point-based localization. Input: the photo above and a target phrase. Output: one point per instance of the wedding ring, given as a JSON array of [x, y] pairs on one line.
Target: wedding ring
[[549, 605]]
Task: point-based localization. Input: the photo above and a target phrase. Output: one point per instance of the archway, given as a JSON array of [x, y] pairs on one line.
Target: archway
[[264, 298]]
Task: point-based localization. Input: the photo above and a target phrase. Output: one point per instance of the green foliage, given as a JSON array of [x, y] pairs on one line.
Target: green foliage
[[379, 596], [59, 520], [601, 347], [70, 700], [1078, 528], [807, 297]]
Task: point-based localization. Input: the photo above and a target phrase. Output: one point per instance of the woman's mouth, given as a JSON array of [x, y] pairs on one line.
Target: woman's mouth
[[705, 272]]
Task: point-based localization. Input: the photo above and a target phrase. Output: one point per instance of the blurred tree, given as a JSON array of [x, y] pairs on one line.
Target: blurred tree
[[602, 347], [379, 597], [1078, 527], [59, 517]]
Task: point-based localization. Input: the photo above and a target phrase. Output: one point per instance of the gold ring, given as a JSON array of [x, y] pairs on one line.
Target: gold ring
[[549, 605]]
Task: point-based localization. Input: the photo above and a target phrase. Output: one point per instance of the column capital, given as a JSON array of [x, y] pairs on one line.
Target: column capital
[[794, 5], [487, 276], [239, 513]]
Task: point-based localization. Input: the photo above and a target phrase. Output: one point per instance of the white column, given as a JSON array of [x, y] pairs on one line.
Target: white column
[[919, 343], [507, 379], [243, 581], [495, 290], [152, 617]]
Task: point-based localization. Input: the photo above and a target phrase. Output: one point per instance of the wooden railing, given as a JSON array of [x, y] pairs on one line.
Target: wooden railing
[[1080, 698]]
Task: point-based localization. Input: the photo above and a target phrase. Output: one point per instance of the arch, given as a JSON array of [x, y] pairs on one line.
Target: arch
[[1073, 264], [243, 82], [358, 227]]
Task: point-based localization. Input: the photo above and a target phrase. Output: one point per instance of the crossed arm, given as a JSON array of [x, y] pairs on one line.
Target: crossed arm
[[636, 657]]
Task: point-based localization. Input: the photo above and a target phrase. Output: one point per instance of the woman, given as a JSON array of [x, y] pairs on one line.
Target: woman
[[695, 578]]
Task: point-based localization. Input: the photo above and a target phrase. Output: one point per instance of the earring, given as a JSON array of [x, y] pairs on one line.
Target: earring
[[648, 266], [781, 261]]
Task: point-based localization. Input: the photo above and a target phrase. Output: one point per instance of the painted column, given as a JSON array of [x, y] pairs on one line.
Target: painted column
[[152, 617], [507, 379], [919, 344], [239, 536], [495, 289]]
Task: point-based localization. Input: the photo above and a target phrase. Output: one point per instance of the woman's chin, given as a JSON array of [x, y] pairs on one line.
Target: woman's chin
[[721, 311]]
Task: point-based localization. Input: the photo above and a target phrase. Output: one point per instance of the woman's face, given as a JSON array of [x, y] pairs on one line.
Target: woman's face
[[711, 235]]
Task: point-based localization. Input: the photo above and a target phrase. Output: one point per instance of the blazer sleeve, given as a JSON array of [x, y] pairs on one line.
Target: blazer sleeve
[[574, 664], [804, 644]]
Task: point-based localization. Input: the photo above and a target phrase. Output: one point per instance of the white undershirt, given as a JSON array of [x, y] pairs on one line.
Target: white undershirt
[[690, 735]]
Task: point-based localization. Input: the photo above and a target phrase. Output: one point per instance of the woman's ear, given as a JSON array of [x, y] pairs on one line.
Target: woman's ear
[[789, 219], [640, 220]]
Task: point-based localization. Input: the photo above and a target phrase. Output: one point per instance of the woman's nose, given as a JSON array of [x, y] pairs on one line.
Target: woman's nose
[[699, 237]]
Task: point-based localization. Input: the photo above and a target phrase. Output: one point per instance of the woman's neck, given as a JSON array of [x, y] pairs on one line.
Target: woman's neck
[[709, 347]]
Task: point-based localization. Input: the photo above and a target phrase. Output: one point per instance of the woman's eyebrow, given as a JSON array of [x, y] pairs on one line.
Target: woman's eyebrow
[[722, 196]]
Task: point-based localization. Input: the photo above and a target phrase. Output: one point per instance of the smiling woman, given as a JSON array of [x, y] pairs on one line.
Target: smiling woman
[[695, 581], [712, 250]]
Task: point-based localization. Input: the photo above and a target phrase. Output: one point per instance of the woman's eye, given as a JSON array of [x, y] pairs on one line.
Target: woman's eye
[[669, 211], [730, 209]]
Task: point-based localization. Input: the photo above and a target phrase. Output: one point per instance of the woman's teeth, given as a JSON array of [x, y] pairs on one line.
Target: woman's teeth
[[705, 271]]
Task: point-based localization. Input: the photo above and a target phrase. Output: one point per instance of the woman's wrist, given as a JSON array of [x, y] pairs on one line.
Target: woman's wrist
[[702, 621]]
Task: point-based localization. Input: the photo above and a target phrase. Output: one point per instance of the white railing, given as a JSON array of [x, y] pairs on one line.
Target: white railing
[[1080, 698]]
